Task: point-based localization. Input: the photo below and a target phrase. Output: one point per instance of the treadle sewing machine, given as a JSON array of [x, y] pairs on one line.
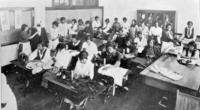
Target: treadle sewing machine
[[75, 92]]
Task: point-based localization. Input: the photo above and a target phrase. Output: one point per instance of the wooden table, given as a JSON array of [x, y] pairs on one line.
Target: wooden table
[[77, 94], [190, 73]]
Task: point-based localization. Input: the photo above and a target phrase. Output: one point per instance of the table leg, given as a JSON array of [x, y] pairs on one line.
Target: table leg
[[114, 89]]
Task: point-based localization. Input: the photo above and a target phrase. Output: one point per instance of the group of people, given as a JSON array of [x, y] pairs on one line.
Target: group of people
[[121, 42]]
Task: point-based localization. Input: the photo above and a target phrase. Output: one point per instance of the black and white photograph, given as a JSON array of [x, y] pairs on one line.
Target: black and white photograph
[[100, 54]]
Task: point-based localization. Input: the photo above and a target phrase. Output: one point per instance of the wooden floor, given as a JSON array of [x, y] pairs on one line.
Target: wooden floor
[[139, 97]]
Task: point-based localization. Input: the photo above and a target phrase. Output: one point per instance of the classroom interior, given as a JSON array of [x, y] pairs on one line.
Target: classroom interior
[[100, 54]]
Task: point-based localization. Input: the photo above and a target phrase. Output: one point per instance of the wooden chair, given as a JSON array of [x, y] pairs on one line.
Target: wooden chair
[[187, 102]]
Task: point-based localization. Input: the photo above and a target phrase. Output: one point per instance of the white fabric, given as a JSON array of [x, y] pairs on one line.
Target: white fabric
[[38, 66], [91, 49], [86, 69], [54, 34], [144, 30], [156, 31], [7, 95], [63, 29], [53, 44], [26, 48], [165, 72], [63, 58], [73, 29], [140, 44], [96, 24], [168, 47], [107, 27], [46, 56], [125, 27], [186, 41], [117, 73]]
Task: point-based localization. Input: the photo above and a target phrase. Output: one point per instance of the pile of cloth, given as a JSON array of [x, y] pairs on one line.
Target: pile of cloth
[[165, 72]]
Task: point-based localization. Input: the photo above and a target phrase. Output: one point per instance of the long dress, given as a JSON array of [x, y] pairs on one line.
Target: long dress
[[35, 40]]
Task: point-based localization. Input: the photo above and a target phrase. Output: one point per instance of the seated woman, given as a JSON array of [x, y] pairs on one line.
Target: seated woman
[[40, 59], [191, 51], [84, 67], [150, 55], [73, 29], [129, 51], [63, 56], [140, 43], [76, 43], [112, 56], [90, 47]]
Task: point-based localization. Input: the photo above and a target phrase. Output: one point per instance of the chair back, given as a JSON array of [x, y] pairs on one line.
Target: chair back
[[187, 102]]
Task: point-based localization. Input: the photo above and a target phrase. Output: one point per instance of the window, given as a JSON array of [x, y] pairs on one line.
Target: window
[[74, 3]]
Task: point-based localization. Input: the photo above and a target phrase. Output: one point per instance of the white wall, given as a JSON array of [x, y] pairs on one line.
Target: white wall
[[185, 9]]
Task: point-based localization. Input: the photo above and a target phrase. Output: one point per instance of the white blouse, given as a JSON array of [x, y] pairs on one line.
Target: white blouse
[[63, 58], [54, 33], [91, 49], [84, 69]]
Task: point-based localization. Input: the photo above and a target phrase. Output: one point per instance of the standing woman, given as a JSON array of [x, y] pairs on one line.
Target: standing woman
[[133, 29], [54, 35], [24, 44], [34, 39], [144, 29], [42, 34]]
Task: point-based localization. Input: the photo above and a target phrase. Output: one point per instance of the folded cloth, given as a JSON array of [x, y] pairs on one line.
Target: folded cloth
[[117, 73], [37, 66], [166, 46], [165, 72]]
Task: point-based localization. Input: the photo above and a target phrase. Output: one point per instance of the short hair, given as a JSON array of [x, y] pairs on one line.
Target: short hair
[[89, 36], [80, 21], [124, 19], [83, 55], [62, 18], [87, 22], [139, 32], [23, 27], [55, 23], [189, 22], [60, 46], [116, 19], [74, 36], [134, 20], [169, 24], [107, 20], [74, 20], [156, 22], [193, 44], [33, 30], [96, 17]]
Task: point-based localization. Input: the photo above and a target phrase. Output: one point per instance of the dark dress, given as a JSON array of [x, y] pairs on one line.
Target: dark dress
[[112, 58], [44, 37], [22, 36], [75, 47], [35, 40]]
